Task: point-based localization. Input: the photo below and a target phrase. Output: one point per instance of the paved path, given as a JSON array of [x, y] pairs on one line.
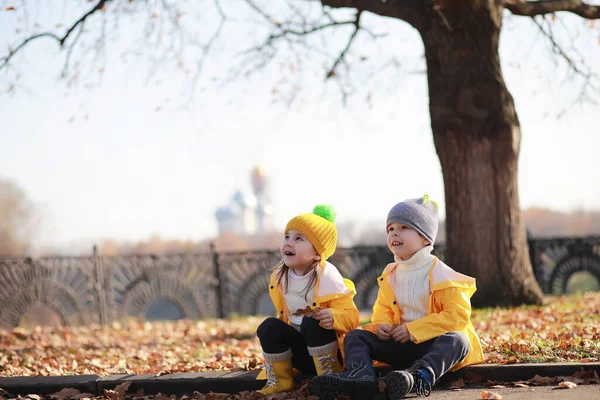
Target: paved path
[[581, 392], [235, 382]]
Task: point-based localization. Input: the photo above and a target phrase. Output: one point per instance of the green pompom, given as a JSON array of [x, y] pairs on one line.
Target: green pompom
[[326, 211]]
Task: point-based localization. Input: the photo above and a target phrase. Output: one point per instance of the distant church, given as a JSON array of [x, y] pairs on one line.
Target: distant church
[[248, 213]]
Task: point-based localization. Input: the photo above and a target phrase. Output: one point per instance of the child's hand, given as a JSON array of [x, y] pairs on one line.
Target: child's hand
[[326, 317], [384, 332], [401, 334]]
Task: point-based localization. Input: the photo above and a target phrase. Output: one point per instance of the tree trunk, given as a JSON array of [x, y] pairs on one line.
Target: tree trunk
[[477, 137]]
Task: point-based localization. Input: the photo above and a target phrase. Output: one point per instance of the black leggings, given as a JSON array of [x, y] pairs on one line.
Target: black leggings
[[277, 337]]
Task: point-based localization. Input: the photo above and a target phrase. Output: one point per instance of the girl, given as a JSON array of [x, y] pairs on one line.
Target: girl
[[314, 303]]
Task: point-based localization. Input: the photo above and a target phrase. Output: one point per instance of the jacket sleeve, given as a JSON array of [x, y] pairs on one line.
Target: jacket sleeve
[[382, 313], [345, 313], [455, 315]]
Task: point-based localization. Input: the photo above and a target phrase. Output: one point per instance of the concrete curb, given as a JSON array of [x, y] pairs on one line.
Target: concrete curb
[[234, 382]]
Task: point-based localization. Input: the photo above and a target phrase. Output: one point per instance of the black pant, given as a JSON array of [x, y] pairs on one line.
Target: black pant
[[277, 337], [437, 355]]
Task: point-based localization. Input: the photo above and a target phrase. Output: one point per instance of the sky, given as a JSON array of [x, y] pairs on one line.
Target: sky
[[124, 154]]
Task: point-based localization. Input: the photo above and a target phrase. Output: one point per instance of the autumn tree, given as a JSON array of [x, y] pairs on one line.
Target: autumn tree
[[17, 220], [475, 125]]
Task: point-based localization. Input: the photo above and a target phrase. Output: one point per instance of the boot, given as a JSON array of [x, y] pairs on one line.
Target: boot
[[325, 358], [279, 377], [359, 382], [414, 379], [327, 363]]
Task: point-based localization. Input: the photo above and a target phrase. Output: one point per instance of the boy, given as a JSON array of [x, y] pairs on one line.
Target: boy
[[421, 318]]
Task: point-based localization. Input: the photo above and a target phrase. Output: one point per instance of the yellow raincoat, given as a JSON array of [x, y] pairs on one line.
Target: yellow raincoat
[[331, 291], [449, 308]]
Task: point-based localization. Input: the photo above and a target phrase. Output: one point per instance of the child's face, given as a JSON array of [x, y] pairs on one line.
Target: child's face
[[404, 241], [297, 252]]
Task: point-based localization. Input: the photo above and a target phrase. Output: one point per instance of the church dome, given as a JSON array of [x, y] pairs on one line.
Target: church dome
[[259, 180], [244, 200]]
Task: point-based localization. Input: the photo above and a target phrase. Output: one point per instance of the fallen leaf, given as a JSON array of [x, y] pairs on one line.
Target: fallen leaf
[[490, 395], [457, 384], [497, 387], [118, 392], [121, 389], [309, 312], [587, 377], [20, 333], [540, 380], [566, 385], [550, 333], [82, 396], [246, 395], [218, 396], [65, 393], [492, 383]]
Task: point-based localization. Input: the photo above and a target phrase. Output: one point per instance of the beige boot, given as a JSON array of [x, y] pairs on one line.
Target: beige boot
[[325, 358], [279, 374]]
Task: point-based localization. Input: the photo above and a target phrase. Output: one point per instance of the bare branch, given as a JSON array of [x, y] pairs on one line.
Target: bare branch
[[295, 33], [200, 64], [220, 10], [297, 11], [70, 51], [558, 49], [340, 58], [590, 80], [284, 33], [405, 10], [61, 40], [309, 31], [262, 13], [542, 7], [98, 6], [12, 52]]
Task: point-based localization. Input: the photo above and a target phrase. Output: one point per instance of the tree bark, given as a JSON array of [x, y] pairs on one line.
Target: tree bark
[[477, 136]]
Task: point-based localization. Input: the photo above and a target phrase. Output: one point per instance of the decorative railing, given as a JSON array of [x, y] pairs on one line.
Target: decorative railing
[[98, 289]]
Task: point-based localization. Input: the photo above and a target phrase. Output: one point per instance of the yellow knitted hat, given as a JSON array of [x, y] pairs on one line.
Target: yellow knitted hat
[[319, 229]]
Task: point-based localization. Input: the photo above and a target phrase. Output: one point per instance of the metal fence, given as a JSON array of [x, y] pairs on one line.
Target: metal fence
[[98, 289]]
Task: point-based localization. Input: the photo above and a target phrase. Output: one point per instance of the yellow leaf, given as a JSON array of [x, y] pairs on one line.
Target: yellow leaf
[[566, 385], [490, 395], [309, 312]]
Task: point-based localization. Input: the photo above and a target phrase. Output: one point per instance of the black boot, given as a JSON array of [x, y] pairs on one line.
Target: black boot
[[358, 382], [402, 382]]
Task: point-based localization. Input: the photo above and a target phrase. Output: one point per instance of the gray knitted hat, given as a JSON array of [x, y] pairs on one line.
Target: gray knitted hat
[[420, 214]]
